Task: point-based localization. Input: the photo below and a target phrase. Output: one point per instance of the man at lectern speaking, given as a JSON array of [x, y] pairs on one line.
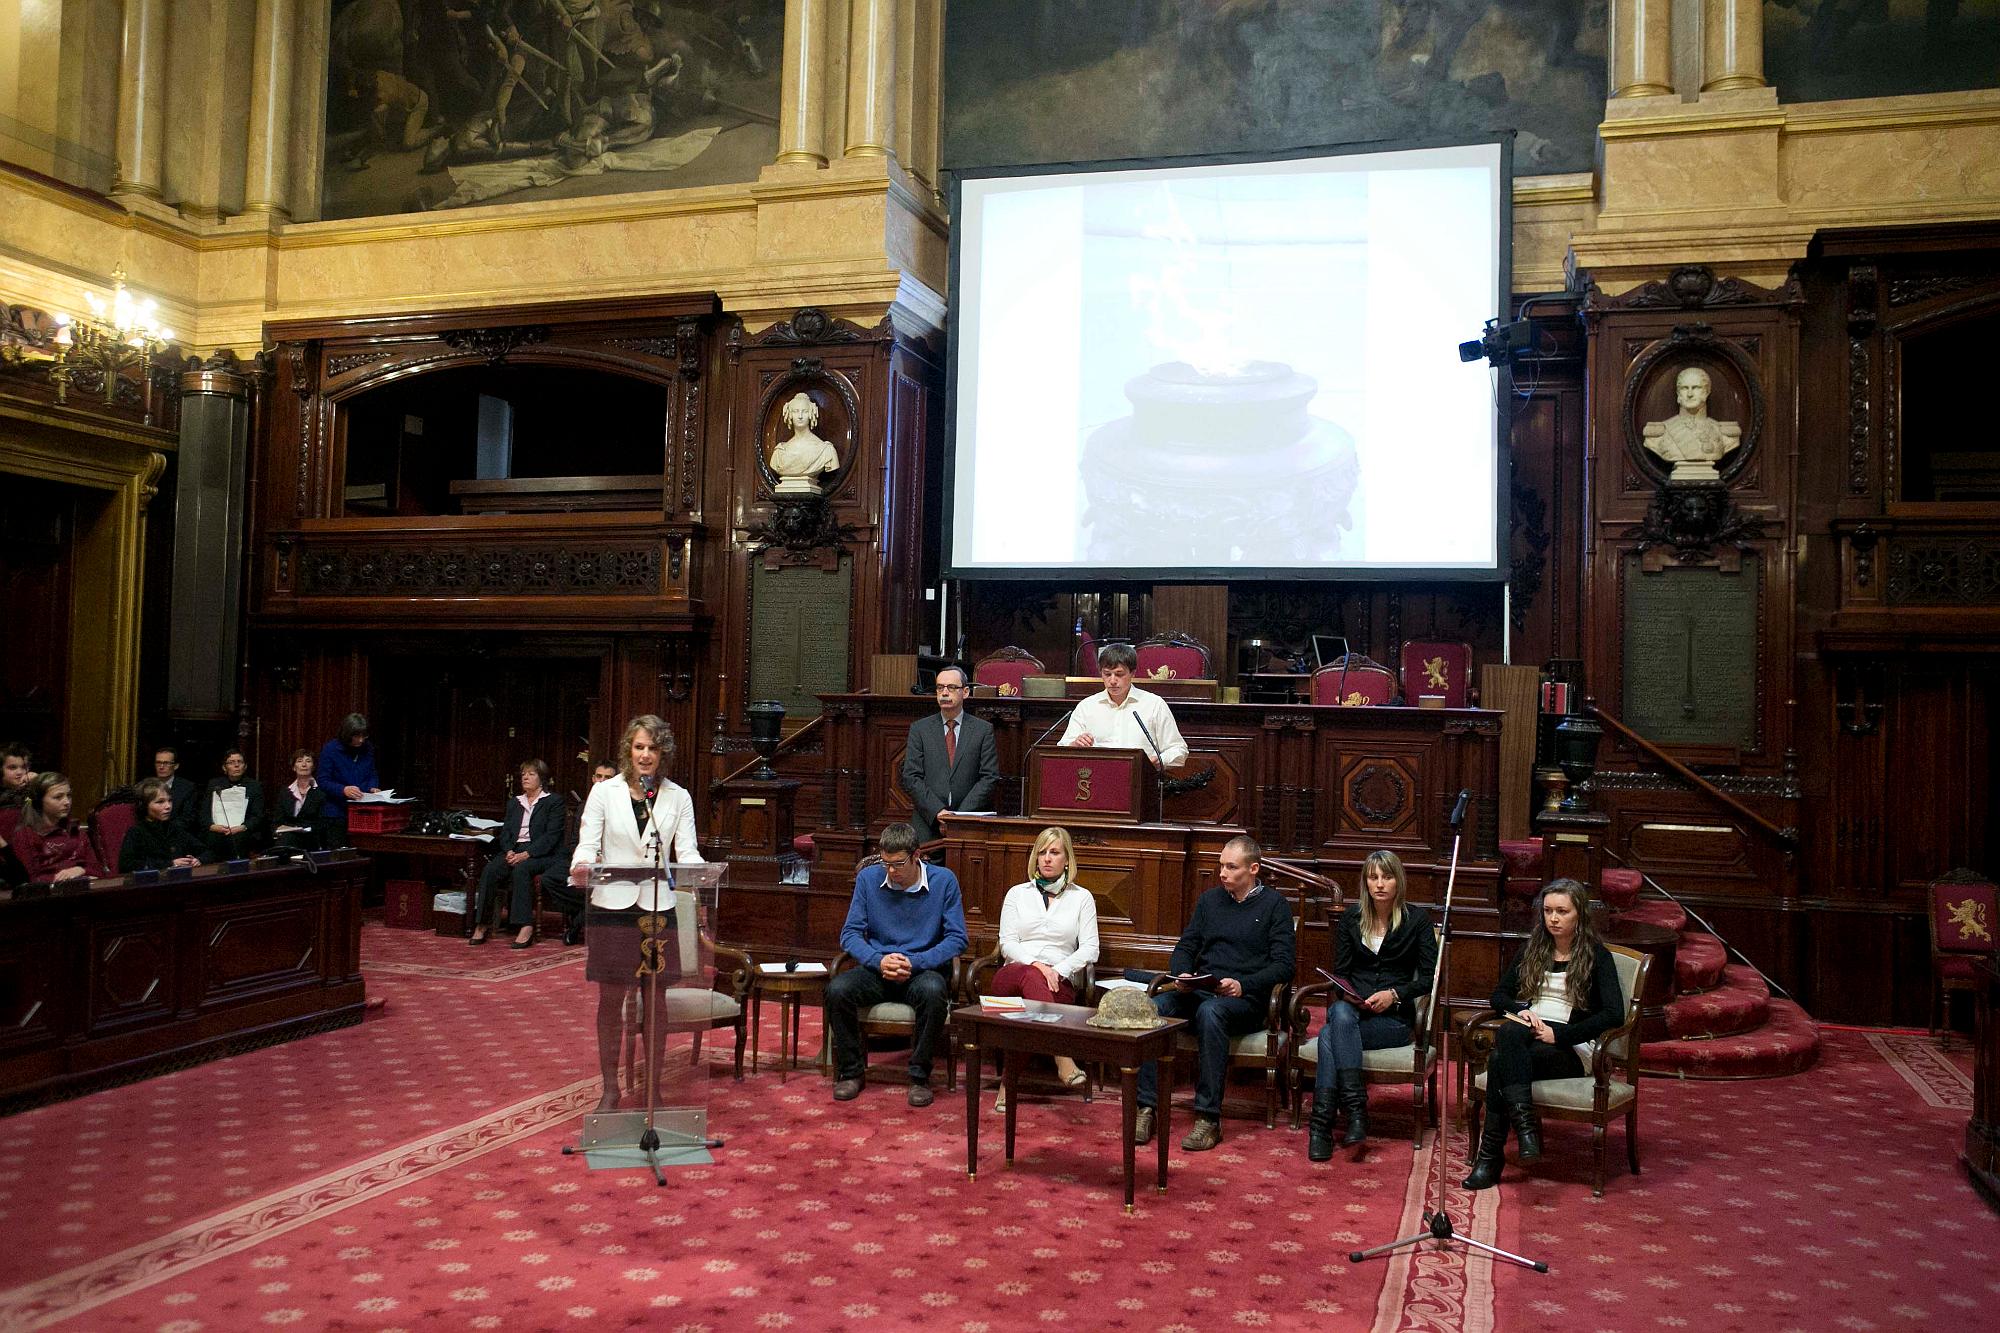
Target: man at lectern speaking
[[1122, 714]]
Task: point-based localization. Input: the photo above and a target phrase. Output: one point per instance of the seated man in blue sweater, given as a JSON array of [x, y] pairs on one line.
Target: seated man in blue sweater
[[1241, 934], [905, 926]]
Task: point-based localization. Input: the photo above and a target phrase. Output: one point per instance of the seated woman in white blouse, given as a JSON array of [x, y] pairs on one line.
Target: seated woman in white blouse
[[1048, 934], [621, 827]]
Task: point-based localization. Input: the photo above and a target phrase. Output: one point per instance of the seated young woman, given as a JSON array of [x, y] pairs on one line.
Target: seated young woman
[[158, 841], [1559, 994], [1384, 946], [51, 849], [1048, 935], [232, 809]]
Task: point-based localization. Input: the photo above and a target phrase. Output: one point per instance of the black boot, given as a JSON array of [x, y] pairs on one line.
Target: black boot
[[1492, 1152], [1319, 1144], [1353, 1086], [1527, 1122]]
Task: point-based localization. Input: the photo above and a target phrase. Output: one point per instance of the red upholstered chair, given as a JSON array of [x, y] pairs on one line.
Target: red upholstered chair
[[1964, 924], [1172, 656], [1354, 681], [1086, 656], [110, 822], [1006, 669], [1435, 667]]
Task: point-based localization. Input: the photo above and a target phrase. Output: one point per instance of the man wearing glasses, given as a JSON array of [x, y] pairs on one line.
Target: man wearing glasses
[[904, 927], [950, 761]]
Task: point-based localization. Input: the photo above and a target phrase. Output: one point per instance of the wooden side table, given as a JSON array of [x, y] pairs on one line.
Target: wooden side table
[[791, 989]]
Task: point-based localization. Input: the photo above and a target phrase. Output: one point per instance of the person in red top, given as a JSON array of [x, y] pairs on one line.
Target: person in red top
[[50, 848], [15, 773]]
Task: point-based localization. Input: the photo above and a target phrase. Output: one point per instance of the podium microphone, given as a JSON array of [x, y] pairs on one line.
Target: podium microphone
[[1457, 819]]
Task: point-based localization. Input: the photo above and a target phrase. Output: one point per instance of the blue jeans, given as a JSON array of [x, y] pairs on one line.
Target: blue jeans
[[1349, 1031], [1215, 1019]]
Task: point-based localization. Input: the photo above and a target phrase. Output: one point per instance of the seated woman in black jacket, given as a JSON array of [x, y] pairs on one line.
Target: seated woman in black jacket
[[158, 841], [1385, 948], [529, 840], [300, 805], [1561, 993]]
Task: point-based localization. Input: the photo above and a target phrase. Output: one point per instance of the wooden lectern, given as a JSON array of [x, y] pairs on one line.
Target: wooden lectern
[[1094, 782]]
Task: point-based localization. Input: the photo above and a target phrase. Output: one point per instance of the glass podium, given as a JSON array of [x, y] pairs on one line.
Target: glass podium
[[650, 958]]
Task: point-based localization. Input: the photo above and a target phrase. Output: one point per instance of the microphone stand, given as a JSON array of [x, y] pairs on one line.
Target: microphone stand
[[1437, 1223]]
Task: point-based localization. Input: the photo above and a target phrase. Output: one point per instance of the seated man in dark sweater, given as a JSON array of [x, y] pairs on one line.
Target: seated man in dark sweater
[[1241, 934], [904, 927]]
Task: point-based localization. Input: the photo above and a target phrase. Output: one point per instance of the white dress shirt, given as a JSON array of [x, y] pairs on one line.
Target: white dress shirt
[[1119, 726], [1062, 933], [609, 835]]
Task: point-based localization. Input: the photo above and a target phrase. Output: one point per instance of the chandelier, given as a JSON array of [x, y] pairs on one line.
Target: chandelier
[[94, 351]]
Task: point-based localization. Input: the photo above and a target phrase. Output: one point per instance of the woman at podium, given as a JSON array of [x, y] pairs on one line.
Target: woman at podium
[[1048, 936], [639, 818]]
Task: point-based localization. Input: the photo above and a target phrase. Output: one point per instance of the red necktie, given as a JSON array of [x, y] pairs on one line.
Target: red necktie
[[951, 742]]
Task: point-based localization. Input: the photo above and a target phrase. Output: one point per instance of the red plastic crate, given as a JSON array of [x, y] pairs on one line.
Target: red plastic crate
[[377, 818]]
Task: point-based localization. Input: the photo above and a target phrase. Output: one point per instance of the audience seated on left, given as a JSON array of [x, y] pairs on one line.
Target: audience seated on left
[[50, 847], [158, 841], [232, 810]]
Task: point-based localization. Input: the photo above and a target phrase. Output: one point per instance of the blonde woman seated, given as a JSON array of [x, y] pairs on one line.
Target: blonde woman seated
[[1048, 935]]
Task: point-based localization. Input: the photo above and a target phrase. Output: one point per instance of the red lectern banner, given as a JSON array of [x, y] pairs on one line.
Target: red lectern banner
[[1107, 783]]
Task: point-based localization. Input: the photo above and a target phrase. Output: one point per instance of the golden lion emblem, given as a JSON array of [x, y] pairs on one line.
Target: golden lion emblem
[[1434, 675], [1969, 917]]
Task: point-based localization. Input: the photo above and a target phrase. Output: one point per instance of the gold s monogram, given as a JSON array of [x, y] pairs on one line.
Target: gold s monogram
[[1082, 784], [1434, 673], [1970, 918]]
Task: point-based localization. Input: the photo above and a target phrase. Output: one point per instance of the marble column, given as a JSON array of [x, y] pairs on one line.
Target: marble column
[[871, 78], [142, 100], [1732, 45], [267, 165], [802, 108], [1642, 50]]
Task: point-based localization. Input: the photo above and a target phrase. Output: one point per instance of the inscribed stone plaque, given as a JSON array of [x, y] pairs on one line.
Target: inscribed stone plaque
[[1691, 655], [798, 634]]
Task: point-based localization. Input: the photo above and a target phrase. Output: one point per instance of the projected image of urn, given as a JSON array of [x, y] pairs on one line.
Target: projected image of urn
[[1218, 468]]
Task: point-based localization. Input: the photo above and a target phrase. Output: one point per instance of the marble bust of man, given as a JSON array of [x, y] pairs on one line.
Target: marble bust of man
[[800, 460], [1690, 439]]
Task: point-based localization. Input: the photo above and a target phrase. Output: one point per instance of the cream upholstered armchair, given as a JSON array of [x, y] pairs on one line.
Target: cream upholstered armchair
[[1609, 1089]]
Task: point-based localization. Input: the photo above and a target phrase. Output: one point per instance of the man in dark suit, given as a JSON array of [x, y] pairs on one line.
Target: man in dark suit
[[950, 761], [167, 767]]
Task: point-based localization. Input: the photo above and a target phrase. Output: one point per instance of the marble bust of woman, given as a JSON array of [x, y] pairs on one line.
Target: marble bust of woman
[[800, 460]]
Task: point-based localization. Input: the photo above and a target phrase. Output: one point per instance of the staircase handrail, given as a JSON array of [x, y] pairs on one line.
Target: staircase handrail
[[1784, 837], [1699, 920], [783, 745]]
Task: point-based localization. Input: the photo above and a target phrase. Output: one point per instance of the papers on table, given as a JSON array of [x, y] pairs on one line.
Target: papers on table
[[290, 828], [1119, 983], [470, 837], [800, 970], [1002, 1004], [474, 821], [387, 796]]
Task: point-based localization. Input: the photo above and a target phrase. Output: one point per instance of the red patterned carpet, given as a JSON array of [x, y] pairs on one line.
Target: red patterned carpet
[[407, 1174]]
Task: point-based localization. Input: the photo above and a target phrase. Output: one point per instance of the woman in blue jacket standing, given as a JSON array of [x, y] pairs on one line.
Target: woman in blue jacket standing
[[346, 770]]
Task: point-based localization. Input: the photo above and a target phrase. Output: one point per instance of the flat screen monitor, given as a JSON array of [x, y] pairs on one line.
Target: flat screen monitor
[[1229, 368]]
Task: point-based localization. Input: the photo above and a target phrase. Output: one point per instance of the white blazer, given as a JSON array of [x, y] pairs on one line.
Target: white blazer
[[610, 836]]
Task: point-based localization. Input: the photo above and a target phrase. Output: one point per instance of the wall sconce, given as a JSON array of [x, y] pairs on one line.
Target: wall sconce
[[92, 352]]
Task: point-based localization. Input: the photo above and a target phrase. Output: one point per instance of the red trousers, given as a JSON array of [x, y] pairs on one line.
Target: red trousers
[[1024, 980]]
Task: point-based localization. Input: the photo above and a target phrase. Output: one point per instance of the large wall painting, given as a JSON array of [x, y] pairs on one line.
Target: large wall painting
[[448, 103], [1079, 80], [1826, 50]]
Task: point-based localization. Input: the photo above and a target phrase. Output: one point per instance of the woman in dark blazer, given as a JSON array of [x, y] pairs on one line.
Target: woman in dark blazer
[[158, 841], [1385, 949], [530, 840], [232, 810], [300, 804], [1562, 993]]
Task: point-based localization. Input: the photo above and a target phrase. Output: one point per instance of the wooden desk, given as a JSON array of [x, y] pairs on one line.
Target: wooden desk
[[1127, 1048], [791, 988], [447, 862], [1982, 1130], [113, 980]]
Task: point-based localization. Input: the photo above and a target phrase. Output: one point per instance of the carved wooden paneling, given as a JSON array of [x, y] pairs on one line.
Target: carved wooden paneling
[[439, 570], [253, 948], [132, 973]]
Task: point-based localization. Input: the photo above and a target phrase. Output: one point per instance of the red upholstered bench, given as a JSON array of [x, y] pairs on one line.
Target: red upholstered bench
[[1619, 889], [1523, 859]]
